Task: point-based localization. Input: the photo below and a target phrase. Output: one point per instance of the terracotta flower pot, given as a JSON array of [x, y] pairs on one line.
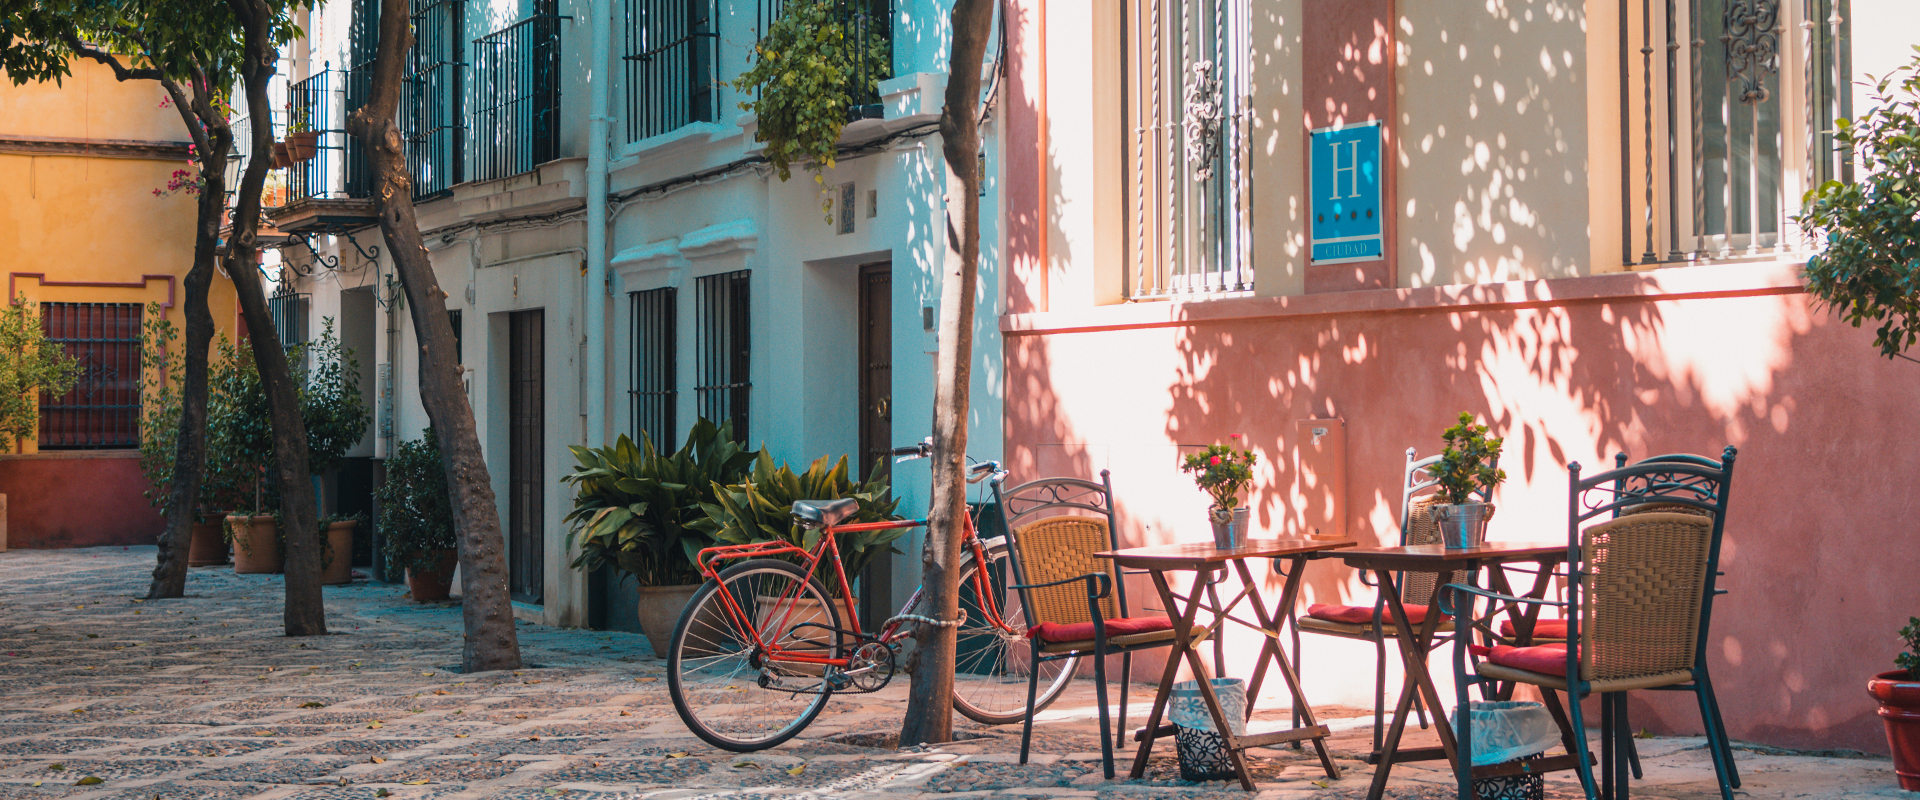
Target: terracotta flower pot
[[281, 158], [256, 544], [659, 611], [207, 545], [1899, 698], [433, 585], [303, 145], [338, 558]]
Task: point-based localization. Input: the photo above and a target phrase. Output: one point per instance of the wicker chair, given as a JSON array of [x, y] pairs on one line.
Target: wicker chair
[[1637, 605], [1416, 591], [1075, 604]]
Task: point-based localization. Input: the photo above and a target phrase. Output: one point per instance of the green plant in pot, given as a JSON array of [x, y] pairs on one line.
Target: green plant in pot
[[761, 510], [416, 518], [160, 409], [1899, 695], [1467, 472], [1223, 473], [635, 509]]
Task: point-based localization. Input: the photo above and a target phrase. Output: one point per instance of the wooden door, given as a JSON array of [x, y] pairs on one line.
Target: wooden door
[[876, 418], [526, 478]]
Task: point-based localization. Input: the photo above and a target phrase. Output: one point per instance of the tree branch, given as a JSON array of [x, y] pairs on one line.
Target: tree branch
[[120, 71]]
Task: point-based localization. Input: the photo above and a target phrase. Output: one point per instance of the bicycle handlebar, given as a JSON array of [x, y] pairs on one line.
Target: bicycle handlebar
[[975, 472]]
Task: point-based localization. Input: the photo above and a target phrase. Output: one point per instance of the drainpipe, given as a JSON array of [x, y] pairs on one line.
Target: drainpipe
[[592, 295]]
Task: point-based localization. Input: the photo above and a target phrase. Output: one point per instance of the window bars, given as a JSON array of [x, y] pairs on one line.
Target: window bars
[[435, 83], [516, 94], [317, 104], [1186, 68], [1709, 166], [862, 18], [102, 411], [289, 311], [672, 74], [654, 356], [724, 342]]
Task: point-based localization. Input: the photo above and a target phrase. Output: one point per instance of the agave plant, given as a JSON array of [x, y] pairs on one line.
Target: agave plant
[[634, 507], [761, 510]]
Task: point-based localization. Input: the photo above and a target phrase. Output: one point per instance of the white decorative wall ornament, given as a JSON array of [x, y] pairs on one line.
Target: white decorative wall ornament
[[1202, 121]]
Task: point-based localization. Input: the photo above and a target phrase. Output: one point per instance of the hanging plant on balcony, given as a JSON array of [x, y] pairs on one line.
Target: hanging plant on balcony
[[804, 71]]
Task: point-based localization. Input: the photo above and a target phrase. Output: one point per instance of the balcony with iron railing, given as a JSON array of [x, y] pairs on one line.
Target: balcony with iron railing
[[863, 19], [516, 118]]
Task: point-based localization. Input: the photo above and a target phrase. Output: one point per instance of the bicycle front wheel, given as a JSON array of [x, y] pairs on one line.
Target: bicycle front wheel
[[727, 684], [993, 661]]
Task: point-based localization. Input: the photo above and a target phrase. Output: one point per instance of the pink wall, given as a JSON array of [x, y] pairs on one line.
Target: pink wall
[[77, 500], [1819, 535]]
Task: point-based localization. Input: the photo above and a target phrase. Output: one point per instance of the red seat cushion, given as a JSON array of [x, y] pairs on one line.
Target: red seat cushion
[[1546, 659], [1082, 631], [1542, 629], [1362, 615]]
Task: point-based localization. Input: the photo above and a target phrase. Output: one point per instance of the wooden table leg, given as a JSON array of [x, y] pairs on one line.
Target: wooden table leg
[[1413, 654], [1182, 623], [1271, 649], [1183, 631]]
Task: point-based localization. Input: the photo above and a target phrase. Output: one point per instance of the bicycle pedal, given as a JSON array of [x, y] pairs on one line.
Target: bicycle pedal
[[839, 680]]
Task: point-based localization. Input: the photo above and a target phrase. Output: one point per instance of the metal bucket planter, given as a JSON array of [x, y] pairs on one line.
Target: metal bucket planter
[[1231, 533], [1201, 749], [1464, 525]]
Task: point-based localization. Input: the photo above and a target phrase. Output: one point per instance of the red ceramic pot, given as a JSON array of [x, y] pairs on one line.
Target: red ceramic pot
[[1899, 697]]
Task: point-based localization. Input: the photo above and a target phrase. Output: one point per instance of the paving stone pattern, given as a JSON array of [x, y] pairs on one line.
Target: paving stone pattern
[[204, 698]]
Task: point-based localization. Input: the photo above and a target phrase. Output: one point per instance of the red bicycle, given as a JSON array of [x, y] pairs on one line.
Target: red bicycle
[[763, 644]]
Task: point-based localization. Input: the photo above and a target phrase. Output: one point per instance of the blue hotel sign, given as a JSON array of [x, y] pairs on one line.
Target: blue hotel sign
[[1345, 191]]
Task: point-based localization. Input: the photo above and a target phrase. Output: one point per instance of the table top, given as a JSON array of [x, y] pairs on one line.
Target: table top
[[1440, 558], [1193, 555]]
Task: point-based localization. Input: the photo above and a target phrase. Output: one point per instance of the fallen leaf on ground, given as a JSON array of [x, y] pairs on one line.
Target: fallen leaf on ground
[[374, 724], [382, 793], [459, 736], [89, 781], [377, 760], [745, 765], [797, 770], [414, 783], [626, 713], [57, 767], [313, 704], [676, 755]]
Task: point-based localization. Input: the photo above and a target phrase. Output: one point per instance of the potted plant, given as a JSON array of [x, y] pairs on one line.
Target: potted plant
[[160, 411], [336, 418], [634, 510], [336, 549], [1899, 695], [303, 143], [1223, 472], [416, 518], [1468, 465], [761, 510]]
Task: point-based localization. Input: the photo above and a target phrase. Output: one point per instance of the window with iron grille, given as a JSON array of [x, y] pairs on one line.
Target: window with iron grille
[[1727, 118], [863, 18], [671, 72], [722, 319], [363, 45], [1189, 203], [435, 82], [289, 312], [516, 93], [102, 411], [653, 391]]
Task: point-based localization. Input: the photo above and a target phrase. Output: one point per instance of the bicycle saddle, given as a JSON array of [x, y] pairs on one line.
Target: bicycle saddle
[[820, 514]]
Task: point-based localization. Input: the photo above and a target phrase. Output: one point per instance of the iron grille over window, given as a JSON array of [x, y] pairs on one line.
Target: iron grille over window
[[722, 314], [102, 411], [517, 98], [863, 18], [435, 82], [671, 74], [653, 362], [289, 312], [1189, 202], [1727, 118], [363, 44]]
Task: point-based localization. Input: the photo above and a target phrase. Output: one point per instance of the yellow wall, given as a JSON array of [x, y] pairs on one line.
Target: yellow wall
[[78, 218]]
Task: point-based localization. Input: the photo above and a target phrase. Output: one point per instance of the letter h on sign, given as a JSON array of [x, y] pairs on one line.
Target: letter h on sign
[[1345, 193]]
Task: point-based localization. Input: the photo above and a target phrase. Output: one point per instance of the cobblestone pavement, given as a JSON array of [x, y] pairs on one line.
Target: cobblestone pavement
[[105, 697]]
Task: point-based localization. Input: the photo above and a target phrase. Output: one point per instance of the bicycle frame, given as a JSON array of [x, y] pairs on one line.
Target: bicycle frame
[[708, 560]]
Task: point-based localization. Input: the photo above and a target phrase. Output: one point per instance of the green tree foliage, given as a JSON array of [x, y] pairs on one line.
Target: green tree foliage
[[1868, 267], [28, 366], [223, 488], [802, 73], [636, 508], [416, 513], [240, 429]]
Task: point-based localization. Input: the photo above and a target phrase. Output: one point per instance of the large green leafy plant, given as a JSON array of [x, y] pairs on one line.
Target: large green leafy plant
[[416, 511], [803, 71], [761, 510], [1467, 462], [1868, 267], [222, 487], [634, 508], [28, 366], [238, 426]]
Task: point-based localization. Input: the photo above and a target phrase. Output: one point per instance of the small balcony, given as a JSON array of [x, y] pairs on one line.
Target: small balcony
[[516, 118], [328, 192]]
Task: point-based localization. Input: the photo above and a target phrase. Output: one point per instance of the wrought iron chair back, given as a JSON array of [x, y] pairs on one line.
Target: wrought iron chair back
[[1050, 498]]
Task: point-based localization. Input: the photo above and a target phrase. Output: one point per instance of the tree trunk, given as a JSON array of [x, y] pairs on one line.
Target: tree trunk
[[929, 717], [491, 642], [190, 450], [306, 613]]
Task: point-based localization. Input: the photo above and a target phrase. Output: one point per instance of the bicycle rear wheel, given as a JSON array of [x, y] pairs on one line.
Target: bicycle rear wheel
[[721, 682], [993, 661]]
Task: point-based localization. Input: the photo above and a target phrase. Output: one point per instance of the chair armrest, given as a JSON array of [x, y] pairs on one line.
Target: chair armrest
[[1099, 584], [1446, 593]]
